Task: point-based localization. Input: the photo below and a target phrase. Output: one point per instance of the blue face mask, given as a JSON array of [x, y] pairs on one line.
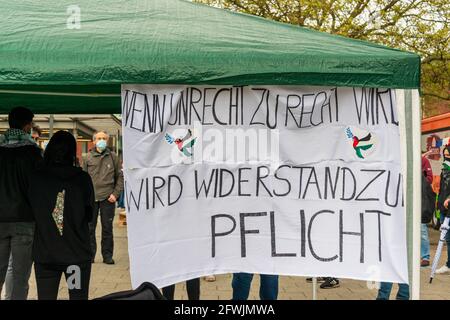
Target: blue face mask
[[101, 145]]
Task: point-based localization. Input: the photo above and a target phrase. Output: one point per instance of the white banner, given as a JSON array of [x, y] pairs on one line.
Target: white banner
[[276, 180]]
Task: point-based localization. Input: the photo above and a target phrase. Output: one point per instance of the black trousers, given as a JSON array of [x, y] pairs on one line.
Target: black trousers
[[106, 210], [192, 287], [49, 276]]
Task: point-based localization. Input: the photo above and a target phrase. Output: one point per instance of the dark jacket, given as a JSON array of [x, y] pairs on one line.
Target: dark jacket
[[17, 162], [106, 173], [65, 192], [444, 191], [428, 200]]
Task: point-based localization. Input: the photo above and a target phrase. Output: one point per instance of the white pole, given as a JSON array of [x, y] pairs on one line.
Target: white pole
[[314, 281], [50, 126], [417, 200], [408, 107]]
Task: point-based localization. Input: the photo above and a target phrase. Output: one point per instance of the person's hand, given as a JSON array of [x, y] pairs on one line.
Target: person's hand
[[446, 202], [112, 198], [426, 154]]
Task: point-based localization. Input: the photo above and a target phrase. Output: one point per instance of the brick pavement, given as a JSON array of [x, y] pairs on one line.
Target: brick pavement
[[106, 279]]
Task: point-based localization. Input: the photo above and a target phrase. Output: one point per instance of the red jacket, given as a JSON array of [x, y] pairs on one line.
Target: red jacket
[[426, 170]]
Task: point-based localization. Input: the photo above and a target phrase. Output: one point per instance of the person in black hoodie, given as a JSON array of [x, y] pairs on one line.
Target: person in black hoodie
[[19, 157], [444, 204], [62, 200]]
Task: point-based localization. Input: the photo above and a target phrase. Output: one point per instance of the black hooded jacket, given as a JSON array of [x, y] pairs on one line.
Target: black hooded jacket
[[444, 188], [444, 192], [17, 162], [68, 244]]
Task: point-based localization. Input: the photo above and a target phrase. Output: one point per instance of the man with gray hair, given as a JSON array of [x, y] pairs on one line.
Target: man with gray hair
[[104, 167]]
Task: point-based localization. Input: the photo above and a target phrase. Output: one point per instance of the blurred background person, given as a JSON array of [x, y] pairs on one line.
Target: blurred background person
[[104, 167]]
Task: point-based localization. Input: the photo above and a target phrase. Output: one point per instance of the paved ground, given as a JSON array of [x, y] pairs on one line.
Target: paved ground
[[106, 279]]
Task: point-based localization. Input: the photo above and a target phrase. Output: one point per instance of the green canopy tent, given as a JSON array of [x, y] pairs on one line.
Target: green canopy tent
[[171, 42], [57, 58]]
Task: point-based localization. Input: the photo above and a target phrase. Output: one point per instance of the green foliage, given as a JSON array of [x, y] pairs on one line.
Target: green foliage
[[421, 26]]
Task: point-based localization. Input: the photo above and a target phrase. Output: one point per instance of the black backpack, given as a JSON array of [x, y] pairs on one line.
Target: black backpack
[[146, 291]]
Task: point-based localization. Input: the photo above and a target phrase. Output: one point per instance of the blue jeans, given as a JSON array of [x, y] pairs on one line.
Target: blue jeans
[[121, 201], [241, 283], [425, 242], [385, 291]]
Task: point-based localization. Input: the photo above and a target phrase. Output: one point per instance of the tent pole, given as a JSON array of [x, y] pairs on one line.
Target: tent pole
[[74, 129], [50, 126], [405, 136], [417, 190], [117, 142], [409, 121], [314, 288]]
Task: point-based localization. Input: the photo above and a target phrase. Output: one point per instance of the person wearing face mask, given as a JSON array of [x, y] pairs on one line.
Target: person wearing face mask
[[104, 167], [444, 203], [19, 158]]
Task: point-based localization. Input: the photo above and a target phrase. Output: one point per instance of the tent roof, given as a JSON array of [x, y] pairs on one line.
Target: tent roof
[[171, 42]]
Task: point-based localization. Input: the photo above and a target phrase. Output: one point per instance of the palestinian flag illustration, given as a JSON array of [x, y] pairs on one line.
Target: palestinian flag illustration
[[58, 212], [362, 142], [185, 145]]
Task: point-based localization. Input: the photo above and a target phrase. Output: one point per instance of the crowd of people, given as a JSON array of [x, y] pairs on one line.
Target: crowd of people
[[50, 205], [49, 208], [430, 204]]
